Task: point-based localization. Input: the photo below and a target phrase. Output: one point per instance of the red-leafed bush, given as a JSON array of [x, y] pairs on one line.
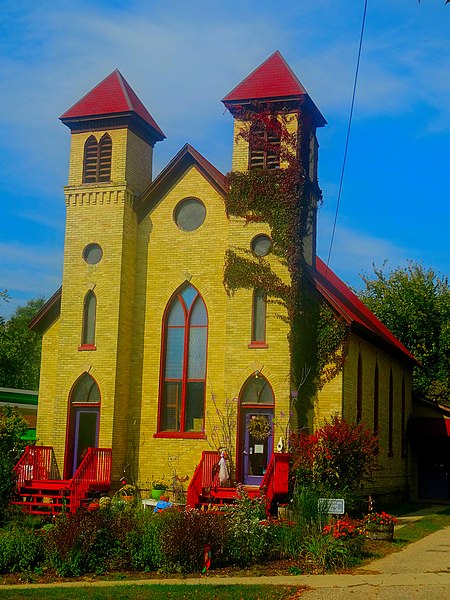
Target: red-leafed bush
[[337, 457]]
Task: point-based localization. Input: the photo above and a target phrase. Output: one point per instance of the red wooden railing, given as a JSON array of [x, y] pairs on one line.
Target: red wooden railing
[[275, 482], [94, 473], [37, 463], [203, 477]]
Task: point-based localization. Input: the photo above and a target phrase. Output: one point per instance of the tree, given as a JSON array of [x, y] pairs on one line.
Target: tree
[[12, 428], [414, 303], [20, 348]]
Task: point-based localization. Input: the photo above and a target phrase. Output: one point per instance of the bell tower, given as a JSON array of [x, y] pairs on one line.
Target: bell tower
[[274, 87], [113, 136]]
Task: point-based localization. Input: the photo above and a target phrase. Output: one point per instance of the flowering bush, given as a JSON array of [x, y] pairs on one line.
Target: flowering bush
[[381, 518], [336, 457], [344, 529]]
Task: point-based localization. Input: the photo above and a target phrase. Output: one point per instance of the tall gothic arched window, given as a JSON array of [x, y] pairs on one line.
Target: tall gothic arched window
[[359, 390], [97, 159], [89, 318], [183, 368], [259, 307], [391, 416], [376, 399]]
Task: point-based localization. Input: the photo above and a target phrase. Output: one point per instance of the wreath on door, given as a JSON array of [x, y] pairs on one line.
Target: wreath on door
[[259, 427]]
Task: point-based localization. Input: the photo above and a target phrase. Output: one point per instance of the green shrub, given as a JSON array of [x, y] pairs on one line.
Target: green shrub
[[249, 531], [12, 427], [144, 544], [20, 550]]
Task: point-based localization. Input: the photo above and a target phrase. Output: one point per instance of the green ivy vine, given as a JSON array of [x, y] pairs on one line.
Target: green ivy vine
[[281, 198]]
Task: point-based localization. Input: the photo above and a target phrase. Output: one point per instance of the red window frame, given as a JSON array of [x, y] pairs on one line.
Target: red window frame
[[258, 343], [89, 298], [185, 367]]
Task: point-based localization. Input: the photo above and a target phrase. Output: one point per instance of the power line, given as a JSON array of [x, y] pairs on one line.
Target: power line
[[348, 131]]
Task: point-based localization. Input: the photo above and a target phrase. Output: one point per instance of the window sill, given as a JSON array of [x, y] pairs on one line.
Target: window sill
[[258, 345], [85, 347], [195, 435]]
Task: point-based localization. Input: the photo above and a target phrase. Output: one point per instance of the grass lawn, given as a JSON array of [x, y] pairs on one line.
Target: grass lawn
[[155, 592]]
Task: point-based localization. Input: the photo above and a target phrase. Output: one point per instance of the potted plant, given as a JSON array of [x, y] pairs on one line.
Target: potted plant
[[380, 526], [159, 486]]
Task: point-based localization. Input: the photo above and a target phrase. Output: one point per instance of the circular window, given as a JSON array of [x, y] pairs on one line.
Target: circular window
[[189, 214], [261, 245], [92, 254]]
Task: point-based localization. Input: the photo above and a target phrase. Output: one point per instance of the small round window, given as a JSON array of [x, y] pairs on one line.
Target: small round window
[[92, 254], [261, 245], [190, 214]]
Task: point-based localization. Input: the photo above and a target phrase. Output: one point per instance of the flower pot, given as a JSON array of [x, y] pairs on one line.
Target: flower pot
[[156, 494], [376, 531]]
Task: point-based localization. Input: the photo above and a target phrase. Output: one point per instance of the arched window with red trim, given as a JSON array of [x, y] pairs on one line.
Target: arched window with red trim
[[183, 368], [89, 318]]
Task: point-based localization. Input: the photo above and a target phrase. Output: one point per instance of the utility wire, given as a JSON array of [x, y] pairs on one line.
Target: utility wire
[[348, 131]]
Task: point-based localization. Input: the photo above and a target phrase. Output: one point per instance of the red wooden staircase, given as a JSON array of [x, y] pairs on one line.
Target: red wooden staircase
[[40, 489], [205, 490]]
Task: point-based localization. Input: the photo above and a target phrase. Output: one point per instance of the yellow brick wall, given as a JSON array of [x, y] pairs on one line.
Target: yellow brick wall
[[131, 162], [394, 470], [46, 407]]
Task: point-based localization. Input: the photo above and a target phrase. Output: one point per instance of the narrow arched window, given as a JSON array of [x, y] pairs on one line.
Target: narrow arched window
[[391, 416], [85, 390], [376, 399], [90, 160], [403, 432], [185, 328], [259, 307], [104, 158], [89, 317], [257, 390], [264, 145], [359, 390], [97, 160]]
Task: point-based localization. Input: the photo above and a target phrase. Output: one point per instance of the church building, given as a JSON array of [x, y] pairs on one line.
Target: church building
[[147, 352]]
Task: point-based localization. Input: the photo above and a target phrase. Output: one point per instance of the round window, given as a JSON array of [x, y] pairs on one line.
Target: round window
[[92, 254], [261, 244], [189, 214]]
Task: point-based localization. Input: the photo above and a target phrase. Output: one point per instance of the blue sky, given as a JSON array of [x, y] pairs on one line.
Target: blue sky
[[181, 58]]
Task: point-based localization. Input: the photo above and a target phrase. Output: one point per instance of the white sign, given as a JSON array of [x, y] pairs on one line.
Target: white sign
[[333, 506]]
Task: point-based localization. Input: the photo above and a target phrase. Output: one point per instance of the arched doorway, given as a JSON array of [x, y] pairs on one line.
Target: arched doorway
[[84, 417], [255, 441]]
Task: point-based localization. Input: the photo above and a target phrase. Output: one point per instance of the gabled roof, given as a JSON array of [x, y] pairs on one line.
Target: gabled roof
[[272, 80], [188, 156], [111, 96], [48, 313], [353, 311]]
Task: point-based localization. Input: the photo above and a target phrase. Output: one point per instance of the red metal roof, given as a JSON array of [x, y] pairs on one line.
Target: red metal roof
[[272, 79], [112, 95], [351, 309]]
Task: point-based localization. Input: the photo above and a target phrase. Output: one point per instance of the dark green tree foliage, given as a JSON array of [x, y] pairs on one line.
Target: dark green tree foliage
[[20, 348], [414, 303], [12, 427]]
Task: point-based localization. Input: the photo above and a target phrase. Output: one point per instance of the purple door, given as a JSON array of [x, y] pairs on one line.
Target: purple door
[[85, 434], [256, 452]]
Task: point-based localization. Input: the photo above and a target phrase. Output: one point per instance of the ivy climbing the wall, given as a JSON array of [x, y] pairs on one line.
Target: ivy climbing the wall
[[283, 198]]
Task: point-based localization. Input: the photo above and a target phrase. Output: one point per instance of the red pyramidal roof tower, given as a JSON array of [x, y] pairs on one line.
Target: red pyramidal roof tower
[[272, 81], [112, 98]]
